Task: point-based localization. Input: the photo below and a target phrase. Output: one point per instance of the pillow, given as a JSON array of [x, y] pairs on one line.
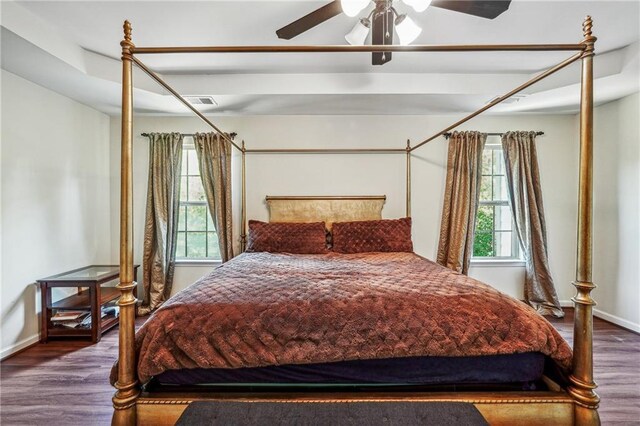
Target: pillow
[[281, 237], [372, 235]]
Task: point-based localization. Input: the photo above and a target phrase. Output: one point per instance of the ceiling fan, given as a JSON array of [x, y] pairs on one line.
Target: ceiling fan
[[384, 20]]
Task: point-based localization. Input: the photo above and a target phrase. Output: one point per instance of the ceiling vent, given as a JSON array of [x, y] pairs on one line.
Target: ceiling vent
[[511, 100], [201, 100]]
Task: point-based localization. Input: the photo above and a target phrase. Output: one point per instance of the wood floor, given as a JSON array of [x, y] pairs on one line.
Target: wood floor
[[65, 383]]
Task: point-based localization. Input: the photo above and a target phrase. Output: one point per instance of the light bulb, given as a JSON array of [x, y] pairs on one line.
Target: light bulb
[[352, 7], [407, 30], [418, 5]]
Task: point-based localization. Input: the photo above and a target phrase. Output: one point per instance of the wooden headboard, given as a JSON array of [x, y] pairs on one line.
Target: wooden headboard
[[328, 209]]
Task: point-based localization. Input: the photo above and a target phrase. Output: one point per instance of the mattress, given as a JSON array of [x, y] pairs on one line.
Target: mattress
[[274, 309], [525, 368]]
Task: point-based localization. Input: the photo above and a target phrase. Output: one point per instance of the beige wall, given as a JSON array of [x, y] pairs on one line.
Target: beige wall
[[616, 242], [373, 174], [55, 198]]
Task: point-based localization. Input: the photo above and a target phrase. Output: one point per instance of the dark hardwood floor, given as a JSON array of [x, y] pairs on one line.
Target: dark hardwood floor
[[65, 383], [616, 361]]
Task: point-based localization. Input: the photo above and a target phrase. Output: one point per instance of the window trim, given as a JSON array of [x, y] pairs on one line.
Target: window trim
[[516, 258], [197, 262], [192, 260], [491, 262]]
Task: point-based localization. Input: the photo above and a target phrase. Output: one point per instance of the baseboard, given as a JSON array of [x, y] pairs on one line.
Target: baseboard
[[617, 320], [20, 346], [607, 317]]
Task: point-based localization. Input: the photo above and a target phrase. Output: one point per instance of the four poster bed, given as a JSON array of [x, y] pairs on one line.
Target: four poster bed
[[386, 326]]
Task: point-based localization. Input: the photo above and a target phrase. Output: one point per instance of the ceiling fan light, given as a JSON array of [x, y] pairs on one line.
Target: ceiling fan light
[[418, 5], [359, 33], [351, 8], [407, 30]]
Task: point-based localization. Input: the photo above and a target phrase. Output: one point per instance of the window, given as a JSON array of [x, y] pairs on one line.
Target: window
[[495, 236], [197, 237]]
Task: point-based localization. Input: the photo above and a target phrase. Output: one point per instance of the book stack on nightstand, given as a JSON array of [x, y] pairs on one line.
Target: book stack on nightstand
[[71, 319]]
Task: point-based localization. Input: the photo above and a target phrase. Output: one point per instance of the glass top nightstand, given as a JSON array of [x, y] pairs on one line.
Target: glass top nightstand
[[88, 313]]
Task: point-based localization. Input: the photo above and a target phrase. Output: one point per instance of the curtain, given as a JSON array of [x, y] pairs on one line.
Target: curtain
[[161, 222], [525, 199], [214, 158], [464, 170]]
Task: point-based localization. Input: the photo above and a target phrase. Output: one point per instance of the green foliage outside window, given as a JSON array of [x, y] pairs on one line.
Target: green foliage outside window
[[483, 243]]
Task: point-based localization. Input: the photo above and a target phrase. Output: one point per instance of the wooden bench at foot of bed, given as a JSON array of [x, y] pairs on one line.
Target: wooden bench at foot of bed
[[498, 408]]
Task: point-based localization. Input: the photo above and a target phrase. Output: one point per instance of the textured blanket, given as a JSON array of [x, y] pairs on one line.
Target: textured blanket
[[263, 309]]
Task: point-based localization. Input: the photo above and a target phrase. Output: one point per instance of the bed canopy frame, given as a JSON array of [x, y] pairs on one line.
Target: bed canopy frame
[[577, 404]]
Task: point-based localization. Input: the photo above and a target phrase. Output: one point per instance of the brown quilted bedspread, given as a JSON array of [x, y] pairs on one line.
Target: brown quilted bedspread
[[263, 309]]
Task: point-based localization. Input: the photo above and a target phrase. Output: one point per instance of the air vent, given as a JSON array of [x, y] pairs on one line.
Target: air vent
[[201, 100], [511, 100]]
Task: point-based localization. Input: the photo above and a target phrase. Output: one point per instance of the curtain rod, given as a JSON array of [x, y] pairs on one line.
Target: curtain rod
[[448, 134], [232, 134]]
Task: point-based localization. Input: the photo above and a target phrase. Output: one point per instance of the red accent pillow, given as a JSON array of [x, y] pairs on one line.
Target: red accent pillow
[[281, 237], [373, 236]]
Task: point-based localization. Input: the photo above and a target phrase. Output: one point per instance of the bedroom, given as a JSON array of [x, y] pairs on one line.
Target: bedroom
[[61, 144]]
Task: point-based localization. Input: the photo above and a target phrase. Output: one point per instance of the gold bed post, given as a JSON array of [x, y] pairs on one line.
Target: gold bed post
[[124, 400], [243, 205], [408, 187], [582, 385]]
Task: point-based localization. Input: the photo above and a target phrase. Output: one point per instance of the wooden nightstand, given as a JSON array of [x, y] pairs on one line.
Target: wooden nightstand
[[96, 292]]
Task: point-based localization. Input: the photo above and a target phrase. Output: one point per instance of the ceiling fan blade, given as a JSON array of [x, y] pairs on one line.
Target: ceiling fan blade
[[481, 8], [309, 21], [382, 33]]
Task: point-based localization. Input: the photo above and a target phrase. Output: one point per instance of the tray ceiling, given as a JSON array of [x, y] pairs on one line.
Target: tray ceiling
[[79, 42]]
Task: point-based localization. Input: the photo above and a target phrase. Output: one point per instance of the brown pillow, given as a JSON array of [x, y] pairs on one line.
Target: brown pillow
[[372, 236], [280, 237]]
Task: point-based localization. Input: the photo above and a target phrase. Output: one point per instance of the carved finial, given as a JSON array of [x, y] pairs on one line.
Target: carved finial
[[408, 144], [587, 25], [589, 38], [243, 150], [127, 30], [126, 44]]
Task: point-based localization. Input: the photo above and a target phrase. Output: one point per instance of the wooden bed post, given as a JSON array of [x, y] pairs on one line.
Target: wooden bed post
[[408, 187], [124, 400], [582, 385], [243, 205]]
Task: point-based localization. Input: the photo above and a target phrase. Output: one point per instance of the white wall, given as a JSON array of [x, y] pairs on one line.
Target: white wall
[[616, 241], [55, 198], [269, 174]]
